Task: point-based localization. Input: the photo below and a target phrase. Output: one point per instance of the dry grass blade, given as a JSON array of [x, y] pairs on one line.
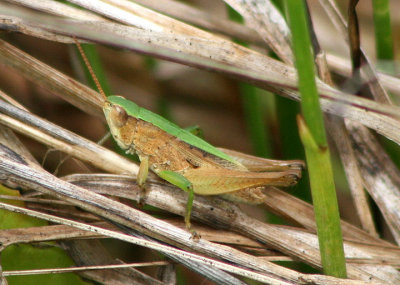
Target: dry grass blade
[[342, 138], [42, 181], [127, 238], [340, 135], [310, 278], [270, 74], [342, 66], [75, 142], [170, 200], [382, 185], [9, 154], [276, 200], [367, 71], [265, 18], [46, 233], [336, 127], [72, 91], [64, 140], [91, 252], [195, 16], [21, 176], [354, 38], [287, 206], [84, 252], [337, 64], [83, 268], [378, 173], [233, 50], [110, 215], [59, 9], [7, 137]]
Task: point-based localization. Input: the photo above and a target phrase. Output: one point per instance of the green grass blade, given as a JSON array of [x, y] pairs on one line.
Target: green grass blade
[[31, 256], [383, 30], [253, 112], [95, 62], [255, 120], [385, 53], [291, 146], [312, 133], [93, 57]]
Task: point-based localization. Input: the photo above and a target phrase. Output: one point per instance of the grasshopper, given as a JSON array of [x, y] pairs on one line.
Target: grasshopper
[[187, 161]]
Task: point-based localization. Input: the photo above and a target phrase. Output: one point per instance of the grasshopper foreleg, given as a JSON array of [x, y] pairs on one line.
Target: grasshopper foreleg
[[143, 171], [141, 178]]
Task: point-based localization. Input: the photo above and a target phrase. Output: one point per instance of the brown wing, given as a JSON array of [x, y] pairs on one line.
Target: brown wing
[[201, 159], [207, 181], [259, 164]]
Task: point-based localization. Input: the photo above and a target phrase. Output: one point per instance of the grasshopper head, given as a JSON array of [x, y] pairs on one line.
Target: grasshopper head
[[115, 114], [116, 117], [121, 115]]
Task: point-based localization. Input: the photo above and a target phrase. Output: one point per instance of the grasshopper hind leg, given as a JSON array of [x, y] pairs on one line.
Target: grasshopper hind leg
[[183, 183], [174, 178], [188, 213]]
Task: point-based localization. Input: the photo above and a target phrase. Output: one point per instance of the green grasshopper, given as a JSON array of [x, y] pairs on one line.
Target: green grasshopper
[[187, 161]]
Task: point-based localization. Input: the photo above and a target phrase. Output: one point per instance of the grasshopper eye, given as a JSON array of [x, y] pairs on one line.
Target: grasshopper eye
[[118, 116]]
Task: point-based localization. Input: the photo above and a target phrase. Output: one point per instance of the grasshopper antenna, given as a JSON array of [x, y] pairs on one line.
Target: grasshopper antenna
[[89, 67], [95, 79]]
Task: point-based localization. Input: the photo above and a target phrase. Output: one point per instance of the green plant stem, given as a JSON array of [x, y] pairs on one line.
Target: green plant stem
[[255, 120], [312, 133], [384, 52], [383, 30], [252, 108], [97, 67], [94, 60]]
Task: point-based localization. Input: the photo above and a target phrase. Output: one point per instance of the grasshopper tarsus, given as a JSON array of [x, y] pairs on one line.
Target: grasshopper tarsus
[[143, 197], [195, 236]]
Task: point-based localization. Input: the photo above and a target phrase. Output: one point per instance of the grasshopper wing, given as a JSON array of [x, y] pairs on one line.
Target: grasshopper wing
[[202, 159], [258, 164], [207, 181]]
